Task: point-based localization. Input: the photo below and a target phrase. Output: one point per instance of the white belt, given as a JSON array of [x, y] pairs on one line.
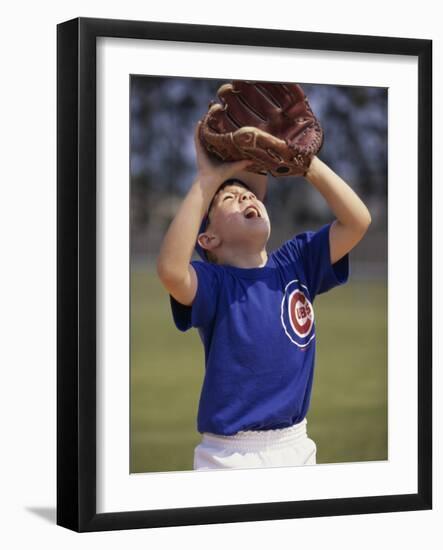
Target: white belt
[[258, 440]]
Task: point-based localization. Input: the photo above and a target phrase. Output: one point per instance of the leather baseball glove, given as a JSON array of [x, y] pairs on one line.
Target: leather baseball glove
[[271, 123]]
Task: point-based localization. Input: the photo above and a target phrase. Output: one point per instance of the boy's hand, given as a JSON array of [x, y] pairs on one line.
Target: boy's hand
[[211, 172]]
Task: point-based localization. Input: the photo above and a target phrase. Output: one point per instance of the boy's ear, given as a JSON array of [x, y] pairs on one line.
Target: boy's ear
[[208, 241]]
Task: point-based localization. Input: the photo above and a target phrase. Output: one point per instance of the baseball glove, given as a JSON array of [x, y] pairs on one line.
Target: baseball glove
[[271, 123]]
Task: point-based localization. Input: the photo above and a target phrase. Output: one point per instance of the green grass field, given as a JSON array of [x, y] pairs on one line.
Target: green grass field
[[348, 413]]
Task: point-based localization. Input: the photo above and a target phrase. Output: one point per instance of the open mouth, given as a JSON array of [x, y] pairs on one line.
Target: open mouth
[[252, 212]]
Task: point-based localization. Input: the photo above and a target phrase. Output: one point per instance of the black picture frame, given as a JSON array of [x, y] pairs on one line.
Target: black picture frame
[[77, 288]]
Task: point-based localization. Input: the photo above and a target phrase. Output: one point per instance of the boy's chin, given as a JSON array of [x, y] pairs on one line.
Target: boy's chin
[[254, 230], [259, 226], [257, 232]]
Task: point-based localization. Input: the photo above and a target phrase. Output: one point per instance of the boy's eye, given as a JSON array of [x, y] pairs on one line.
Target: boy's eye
[[227, 197]]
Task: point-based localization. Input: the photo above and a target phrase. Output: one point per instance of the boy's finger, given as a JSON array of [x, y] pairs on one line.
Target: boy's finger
[[196, 131]]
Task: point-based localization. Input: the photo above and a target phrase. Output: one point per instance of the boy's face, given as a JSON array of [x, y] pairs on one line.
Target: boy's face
[[237, 219]]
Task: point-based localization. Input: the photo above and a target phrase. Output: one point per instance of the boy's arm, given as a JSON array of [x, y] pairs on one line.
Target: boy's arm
[[173, 263], [353, 218]]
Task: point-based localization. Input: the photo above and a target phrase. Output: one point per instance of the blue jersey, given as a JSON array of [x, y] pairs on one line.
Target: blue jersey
[[257, 327]]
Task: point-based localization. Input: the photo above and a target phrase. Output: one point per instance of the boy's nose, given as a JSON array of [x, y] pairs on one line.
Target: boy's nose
[[246, 195]]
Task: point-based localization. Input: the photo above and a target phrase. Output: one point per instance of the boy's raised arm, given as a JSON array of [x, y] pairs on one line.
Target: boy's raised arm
[[173, 263], [353, 218]]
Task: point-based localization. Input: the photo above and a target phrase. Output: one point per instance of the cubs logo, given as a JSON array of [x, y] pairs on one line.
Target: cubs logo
[[297, 314]]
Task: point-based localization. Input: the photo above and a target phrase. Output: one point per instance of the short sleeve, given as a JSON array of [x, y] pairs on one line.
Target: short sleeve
[[202, 311], [312, 249]]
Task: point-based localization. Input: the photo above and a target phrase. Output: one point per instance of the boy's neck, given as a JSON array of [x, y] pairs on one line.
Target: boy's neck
[[245, 260]]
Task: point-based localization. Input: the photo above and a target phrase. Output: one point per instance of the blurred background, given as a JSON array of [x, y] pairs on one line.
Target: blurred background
[[348, 412]]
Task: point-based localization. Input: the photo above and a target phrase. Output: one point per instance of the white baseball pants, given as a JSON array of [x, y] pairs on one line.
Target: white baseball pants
[[256, 449]]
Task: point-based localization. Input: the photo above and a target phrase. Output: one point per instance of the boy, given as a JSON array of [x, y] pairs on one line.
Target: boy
[[253, 310]]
